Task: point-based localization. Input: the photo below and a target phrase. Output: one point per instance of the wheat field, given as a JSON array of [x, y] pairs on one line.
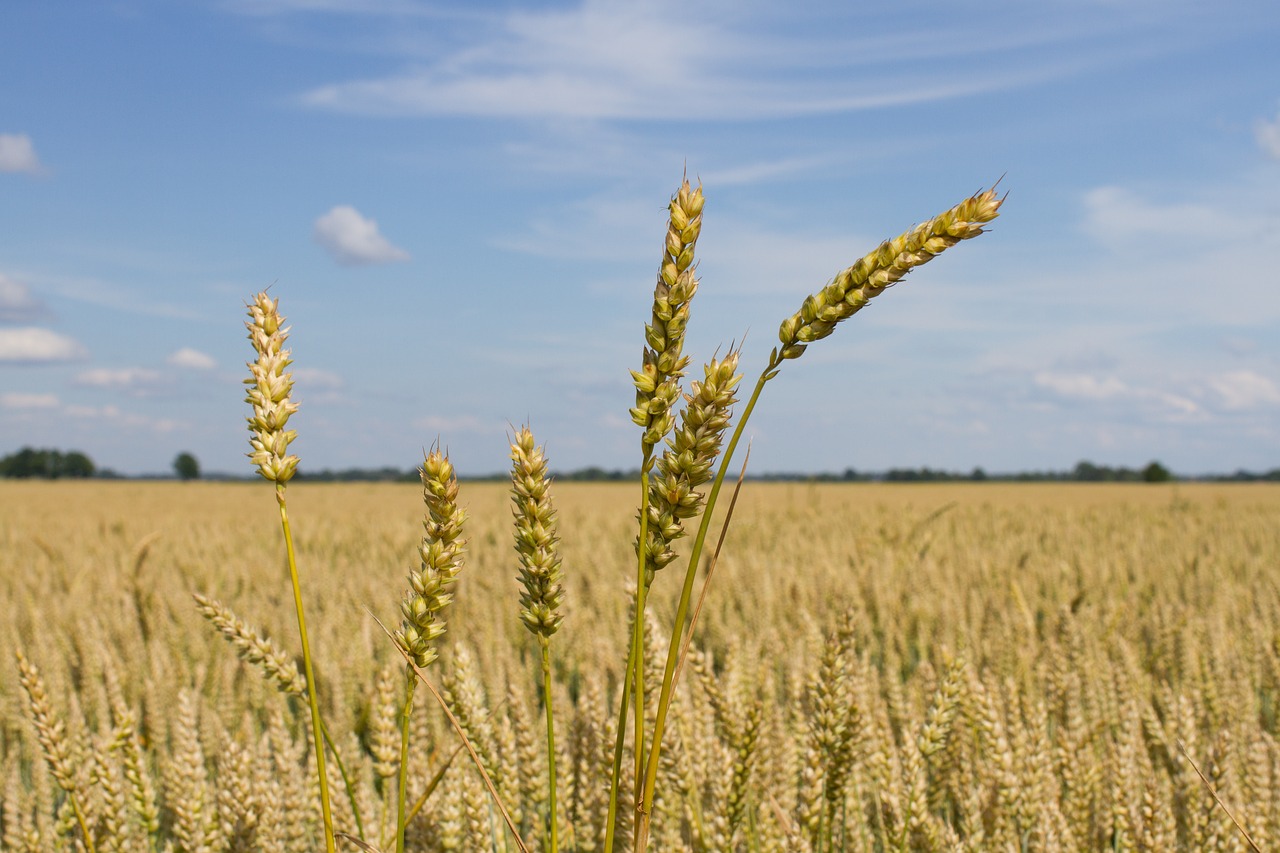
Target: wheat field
[[918, 667]]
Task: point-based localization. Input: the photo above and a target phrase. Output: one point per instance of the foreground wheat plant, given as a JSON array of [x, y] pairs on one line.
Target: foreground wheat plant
[[817, 318], [269, 391]]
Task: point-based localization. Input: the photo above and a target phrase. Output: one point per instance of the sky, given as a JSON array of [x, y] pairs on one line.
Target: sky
[[461, 209]]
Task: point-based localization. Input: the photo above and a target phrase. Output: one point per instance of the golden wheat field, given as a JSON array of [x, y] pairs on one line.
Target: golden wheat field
[[920, 667]]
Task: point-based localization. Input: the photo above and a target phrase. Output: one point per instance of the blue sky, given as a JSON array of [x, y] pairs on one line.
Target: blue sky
[[461, 208]]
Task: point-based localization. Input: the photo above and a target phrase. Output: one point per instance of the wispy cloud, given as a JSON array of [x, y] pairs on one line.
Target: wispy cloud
[[1244, 389], [137, 381], [1117, 215], [1081, 386], [33, 345], [17, 154], [191, 359], [629, 61], [1268, 135], [353, 240], [17, 305], [19, 400], [115, 416], [1089, 388]]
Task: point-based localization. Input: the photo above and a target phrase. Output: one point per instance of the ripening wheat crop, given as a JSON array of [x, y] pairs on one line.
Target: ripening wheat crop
[[887, 667]]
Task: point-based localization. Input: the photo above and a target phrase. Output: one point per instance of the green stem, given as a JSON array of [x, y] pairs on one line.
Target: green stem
[[618, 746], [410, 682], [84, 827], [682, 609], [551, 739], [637, 639], [346, 778], [316, 725]]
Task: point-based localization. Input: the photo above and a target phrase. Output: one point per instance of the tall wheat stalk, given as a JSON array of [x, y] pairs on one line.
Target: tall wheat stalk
[[536, 542], [269, 390], [431, 591]]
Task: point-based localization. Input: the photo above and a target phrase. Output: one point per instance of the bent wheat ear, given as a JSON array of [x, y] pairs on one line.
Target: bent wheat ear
[[276, 665], [855, 286]]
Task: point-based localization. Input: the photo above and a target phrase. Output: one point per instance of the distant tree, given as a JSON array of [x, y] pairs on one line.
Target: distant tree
[[1156, 473], [76, 464], [977, 475], [186, 466]]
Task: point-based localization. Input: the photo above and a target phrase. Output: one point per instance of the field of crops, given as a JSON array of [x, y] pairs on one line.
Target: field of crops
[[980, 667]]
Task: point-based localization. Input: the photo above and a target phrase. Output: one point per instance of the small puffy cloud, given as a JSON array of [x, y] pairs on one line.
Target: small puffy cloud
[[192, 359], [17, 305], [1268, 135], [134, 379], [19, 400], [32, 345], [17, 154], [1081, 385], [354, 240], [1244, 389]]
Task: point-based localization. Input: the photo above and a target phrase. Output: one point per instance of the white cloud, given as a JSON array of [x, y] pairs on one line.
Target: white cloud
[[134, 379], [1268, 135], [17, 305], [32, 345], [1244, 389], [1117, 216], [354, 240], [19, 400], [193, 359], [17, 154], [1081, 386]]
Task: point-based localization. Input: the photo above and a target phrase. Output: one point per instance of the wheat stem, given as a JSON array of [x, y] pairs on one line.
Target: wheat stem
[[317, 725]]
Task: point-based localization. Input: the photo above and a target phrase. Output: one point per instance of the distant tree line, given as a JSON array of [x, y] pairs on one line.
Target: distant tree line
[[55, 464], [46, 464]]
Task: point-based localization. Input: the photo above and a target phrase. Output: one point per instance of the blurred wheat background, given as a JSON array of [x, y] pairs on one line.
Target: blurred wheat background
[[982, 667]]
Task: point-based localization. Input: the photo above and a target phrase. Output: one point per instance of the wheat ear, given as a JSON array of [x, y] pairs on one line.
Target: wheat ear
[[51, 732]]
